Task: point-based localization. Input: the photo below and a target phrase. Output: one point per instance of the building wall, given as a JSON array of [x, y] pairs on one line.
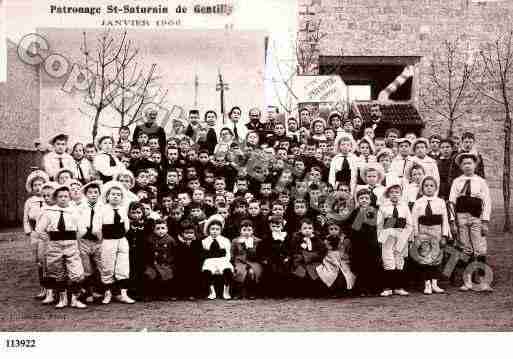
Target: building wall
[[19, 103], [19, 127], [418, 28]]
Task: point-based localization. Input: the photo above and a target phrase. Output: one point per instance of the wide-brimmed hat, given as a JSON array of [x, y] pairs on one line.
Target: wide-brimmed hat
[[402, 140], [384, 152], [59, 188], [50, 184], [126, 172], [393, 184], [374, 167], [464, 155], [65, 169], [58, 136], [33, 176], [107, 187], [100, 139], [74, 181], [215, 218], [97, 184], [420, 140]]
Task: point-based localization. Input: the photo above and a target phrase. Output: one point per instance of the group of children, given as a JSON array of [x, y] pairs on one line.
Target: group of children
[[331, 210]]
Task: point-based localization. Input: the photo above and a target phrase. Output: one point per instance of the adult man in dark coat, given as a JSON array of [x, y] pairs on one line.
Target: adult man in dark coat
[[151, 128]]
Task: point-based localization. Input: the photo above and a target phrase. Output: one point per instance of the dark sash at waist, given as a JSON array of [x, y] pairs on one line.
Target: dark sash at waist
[[62, 236], [433, 220], [113, 231]]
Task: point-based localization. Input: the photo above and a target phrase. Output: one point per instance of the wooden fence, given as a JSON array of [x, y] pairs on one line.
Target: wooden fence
[[15, 165]]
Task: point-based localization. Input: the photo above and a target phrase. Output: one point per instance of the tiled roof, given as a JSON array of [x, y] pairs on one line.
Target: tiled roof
[[395, 113]]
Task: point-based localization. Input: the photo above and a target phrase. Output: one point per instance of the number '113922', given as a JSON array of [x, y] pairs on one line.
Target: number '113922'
[[20, 343]]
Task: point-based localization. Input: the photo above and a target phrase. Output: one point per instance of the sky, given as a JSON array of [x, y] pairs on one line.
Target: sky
[[276, 19], [180, 55]]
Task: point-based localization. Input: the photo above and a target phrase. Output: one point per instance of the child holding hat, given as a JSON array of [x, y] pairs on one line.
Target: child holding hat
[[430, 232]]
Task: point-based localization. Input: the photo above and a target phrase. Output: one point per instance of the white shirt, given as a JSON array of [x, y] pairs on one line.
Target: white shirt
[[336, 165], [49, 220], [399, 165], [106, 216], [101, 164], [438, 207], [51, 163], [402, 234], [478, 189]]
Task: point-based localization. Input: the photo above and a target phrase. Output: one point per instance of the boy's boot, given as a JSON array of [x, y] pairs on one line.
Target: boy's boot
[[75, 303], [107, 298], [49, 298], [41, 294], [226, 292], [467, 282], [428, 289], [436, 288], [63, 299], [212, 293], [124, 298]]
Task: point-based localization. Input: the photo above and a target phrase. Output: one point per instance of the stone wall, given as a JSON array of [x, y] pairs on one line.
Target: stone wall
[[19, 103], [417, 28]]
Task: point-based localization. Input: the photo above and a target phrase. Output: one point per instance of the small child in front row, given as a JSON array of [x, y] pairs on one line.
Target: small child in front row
[[394, 227], [216, 256], [334, 271], [247, 257], [188, 262], [276, 272], [430, 231], [365, 256], [305, 253], [160, 262]]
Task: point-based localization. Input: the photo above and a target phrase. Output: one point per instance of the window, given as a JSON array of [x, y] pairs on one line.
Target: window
[[364, 74], [359, 92]]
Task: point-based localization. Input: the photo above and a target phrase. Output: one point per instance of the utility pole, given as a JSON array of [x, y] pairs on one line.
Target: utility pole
[[196, 85], [221, 86]]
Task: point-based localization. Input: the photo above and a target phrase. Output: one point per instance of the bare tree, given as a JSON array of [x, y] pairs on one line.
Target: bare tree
[[449, 88], [147, 92], [102, 64], [128, 78], [495, 84], [306, 62]]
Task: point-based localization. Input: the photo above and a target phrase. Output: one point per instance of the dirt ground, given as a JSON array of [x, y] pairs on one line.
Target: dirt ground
[[454, 311]]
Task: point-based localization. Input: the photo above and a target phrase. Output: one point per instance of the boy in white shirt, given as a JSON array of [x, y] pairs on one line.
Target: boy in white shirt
[[470, 197]]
